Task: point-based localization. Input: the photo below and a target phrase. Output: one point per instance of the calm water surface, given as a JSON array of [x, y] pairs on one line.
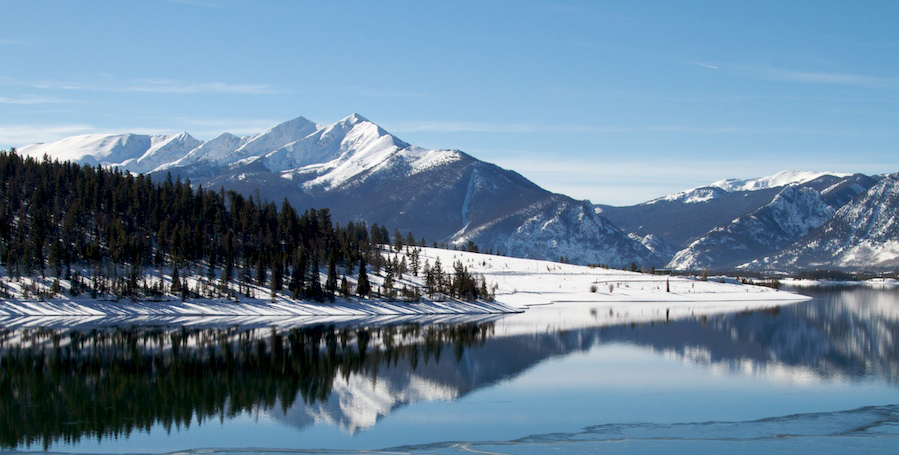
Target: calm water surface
[[822, 374]]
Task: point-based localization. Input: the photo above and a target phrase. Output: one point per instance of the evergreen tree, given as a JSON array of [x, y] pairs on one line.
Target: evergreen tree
[[363, 287], [397, 240], [315, 291], [344, 287], [176, 282], [277, 283], [261, 272], [388, 284], [331, 282], [414, 256], [298, 274]]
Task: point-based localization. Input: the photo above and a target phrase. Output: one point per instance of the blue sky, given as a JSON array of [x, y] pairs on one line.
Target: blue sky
[[613, 101]]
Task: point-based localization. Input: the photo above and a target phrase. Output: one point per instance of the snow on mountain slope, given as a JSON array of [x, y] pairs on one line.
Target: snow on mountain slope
[[687, 217], [793, 213], [847, 189], [558, 227], [213, 150], [335, 154], [863, 234], [269, 140], [657, 245], [692, 196], [680, 223], [362, 172], [132, 152], [722, 187], [163, 150], [782, 178]]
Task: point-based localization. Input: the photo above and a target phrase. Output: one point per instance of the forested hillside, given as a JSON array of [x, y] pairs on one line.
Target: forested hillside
[[102, 231]]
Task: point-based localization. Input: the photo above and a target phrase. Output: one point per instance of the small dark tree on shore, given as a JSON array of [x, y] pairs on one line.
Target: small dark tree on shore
[[176, 282], [363, 287]]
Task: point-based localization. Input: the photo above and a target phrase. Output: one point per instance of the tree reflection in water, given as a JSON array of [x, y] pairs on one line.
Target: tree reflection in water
[[65, 385]]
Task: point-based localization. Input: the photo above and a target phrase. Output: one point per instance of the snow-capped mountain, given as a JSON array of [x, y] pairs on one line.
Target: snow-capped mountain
[[133, 152], [723, 187], [730, 222], [782, 178], [558, 227], [793, 213], [864, 233], [682, 218], [361, 172]]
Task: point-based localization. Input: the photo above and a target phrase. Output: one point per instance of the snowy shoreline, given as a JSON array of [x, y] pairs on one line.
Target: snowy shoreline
[[279, 308], [518, 283], [874, 282]]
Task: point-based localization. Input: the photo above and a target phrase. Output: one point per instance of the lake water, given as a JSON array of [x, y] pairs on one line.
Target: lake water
[[818, 375]]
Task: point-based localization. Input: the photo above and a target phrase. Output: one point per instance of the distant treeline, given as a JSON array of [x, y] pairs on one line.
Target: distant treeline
[[59, 218]]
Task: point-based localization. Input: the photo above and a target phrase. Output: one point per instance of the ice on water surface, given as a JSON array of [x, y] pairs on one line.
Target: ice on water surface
[[865, 430]]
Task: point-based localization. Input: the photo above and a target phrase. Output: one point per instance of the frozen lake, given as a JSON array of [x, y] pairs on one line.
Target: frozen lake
[[816, 375]]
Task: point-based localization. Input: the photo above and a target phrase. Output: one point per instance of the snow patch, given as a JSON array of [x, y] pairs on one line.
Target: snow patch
[[782, 178]]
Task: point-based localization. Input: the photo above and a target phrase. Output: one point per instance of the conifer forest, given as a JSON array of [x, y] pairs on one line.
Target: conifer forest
[[107, 232]]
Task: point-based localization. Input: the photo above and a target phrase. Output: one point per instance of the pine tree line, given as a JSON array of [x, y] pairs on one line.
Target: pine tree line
[[57, 219]]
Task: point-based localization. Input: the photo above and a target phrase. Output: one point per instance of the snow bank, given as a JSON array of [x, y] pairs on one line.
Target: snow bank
[[518, 284], [874, 282]]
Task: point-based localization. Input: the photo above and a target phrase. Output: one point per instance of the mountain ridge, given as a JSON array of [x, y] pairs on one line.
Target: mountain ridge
[[362, 172]]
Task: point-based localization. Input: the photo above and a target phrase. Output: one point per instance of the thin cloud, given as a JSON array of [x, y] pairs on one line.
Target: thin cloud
[[21, 135], [151, 86], [379, 92], [170, 86], [533, 128], [33, 99], [214, 4], [201, 3], [820, 77], [387, 93], [705, 65], [490, 127]]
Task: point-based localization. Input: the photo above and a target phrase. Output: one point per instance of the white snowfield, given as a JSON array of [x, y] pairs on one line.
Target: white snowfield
[[782, 178], [877, 283], [713, 190], [520, 285]]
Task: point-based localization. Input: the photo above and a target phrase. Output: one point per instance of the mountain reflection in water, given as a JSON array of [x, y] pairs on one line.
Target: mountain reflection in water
[[60, 385], [65, 385]]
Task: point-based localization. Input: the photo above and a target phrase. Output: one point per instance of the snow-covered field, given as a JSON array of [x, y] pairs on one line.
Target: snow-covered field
[[874, 283], [519, 285]]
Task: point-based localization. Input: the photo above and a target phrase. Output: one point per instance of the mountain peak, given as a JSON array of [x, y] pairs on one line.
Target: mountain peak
[[297, 123], [354, 119]]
